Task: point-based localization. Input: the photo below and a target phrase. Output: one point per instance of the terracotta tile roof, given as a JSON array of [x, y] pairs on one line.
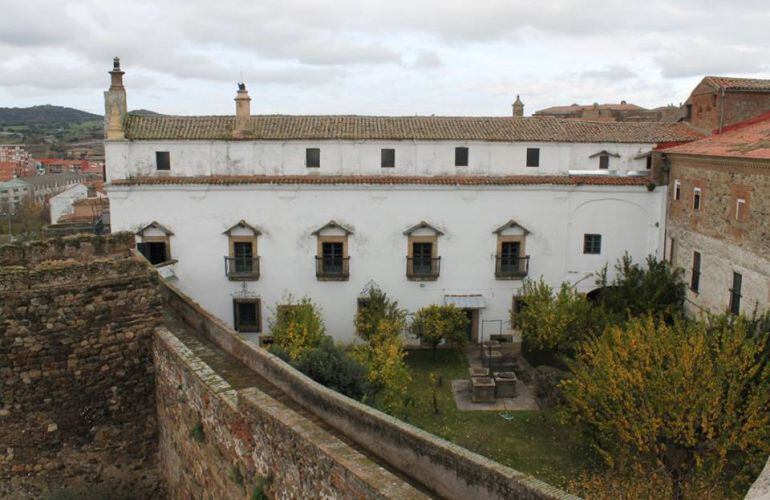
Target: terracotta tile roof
[[731, 83], [444, 180], [749, 139], [292, 127]]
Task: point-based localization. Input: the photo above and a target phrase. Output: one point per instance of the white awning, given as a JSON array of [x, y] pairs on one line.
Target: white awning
[[465, 301]]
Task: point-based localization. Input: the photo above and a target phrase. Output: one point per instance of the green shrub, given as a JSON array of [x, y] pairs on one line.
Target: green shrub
[[435, 323], [329, 364], [297, 327], [379, 314], [553, 321], [547, 380]]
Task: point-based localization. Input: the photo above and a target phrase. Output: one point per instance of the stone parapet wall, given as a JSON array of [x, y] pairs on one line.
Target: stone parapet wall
[[228, 443], [450, 470], [77, 392]]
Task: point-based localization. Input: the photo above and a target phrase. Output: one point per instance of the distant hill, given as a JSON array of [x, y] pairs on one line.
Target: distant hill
[[143, 112], [45, 115]]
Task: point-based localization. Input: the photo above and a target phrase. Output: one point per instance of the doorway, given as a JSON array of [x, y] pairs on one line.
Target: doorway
[[472, 328]]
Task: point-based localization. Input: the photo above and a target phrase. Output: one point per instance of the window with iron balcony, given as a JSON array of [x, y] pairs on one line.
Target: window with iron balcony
[[242, 261], [332, 262]]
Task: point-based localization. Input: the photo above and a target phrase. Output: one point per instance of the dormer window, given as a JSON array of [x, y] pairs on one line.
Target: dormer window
[[332, 261], [511, 261], [604, 158], [154, 243], [461, 157], [422, 259], [242, 260]]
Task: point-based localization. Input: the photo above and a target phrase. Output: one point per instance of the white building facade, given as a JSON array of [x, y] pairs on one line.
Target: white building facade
[[246, 211]]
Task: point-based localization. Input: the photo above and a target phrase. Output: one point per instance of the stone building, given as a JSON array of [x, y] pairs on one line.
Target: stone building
[[613, 112], [718, 227], [720, 101], [244, 210]]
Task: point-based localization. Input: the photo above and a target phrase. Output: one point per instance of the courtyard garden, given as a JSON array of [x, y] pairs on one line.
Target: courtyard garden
[[635, 399]]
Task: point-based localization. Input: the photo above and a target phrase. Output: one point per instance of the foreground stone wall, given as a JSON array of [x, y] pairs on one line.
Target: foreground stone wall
[[218, 442], [77, 393], [448, 469]]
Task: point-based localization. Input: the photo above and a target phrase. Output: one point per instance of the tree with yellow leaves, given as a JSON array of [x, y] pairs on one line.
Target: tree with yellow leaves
[[297, 327], [690, 397]]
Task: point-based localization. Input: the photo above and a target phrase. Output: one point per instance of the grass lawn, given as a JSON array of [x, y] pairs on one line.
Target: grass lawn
[[533, 442]]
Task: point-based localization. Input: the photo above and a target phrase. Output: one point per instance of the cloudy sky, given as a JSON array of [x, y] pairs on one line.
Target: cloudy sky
[[468, 57]]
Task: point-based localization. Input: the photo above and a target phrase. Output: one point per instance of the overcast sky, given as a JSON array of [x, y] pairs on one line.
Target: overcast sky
[[397, 57]]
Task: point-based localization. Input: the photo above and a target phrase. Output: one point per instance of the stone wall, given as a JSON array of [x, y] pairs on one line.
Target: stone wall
[[726, 244], [218, 442], [707, 107], [77, 393], [448, 469]]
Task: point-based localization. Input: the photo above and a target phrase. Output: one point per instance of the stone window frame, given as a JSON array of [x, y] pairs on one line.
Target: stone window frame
[[344, 239], [511, 238], [158, 239], [256, 328], [435, 257], [253, 239], [677, 190]]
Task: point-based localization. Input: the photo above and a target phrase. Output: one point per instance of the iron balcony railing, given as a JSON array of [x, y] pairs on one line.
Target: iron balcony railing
[[511, 267], [421, 268], [332, 268], [242, 268]]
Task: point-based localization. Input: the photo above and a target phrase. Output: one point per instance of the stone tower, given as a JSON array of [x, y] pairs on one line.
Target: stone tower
[[518, 107], [115, 104], [242, 111]]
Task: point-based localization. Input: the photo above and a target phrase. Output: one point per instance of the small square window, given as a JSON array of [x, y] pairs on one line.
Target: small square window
[[461, 157], [696, 198], [604, 162], [162, 160], [387, 158], [592, 244], [313, 158], [533, 157], [677, 189]]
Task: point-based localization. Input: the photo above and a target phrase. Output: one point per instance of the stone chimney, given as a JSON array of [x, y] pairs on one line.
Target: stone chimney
[[242, 112], [518, 107], [115, 104]]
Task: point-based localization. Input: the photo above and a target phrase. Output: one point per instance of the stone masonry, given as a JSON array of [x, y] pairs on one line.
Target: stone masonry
[[77, 392], [725, 243]]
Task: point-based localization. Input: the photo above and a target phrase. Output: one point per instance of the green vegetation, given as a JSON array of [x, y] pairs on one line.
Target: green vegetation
[[434, 324], [532, 442]]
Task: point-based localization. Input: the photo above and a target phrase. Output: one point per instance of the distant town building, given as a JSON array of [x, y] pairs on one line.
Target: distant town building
[[15, 161], [60, 166], [718, 227], [720, 101], [64, 204], [622, 112], [37, 189]]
